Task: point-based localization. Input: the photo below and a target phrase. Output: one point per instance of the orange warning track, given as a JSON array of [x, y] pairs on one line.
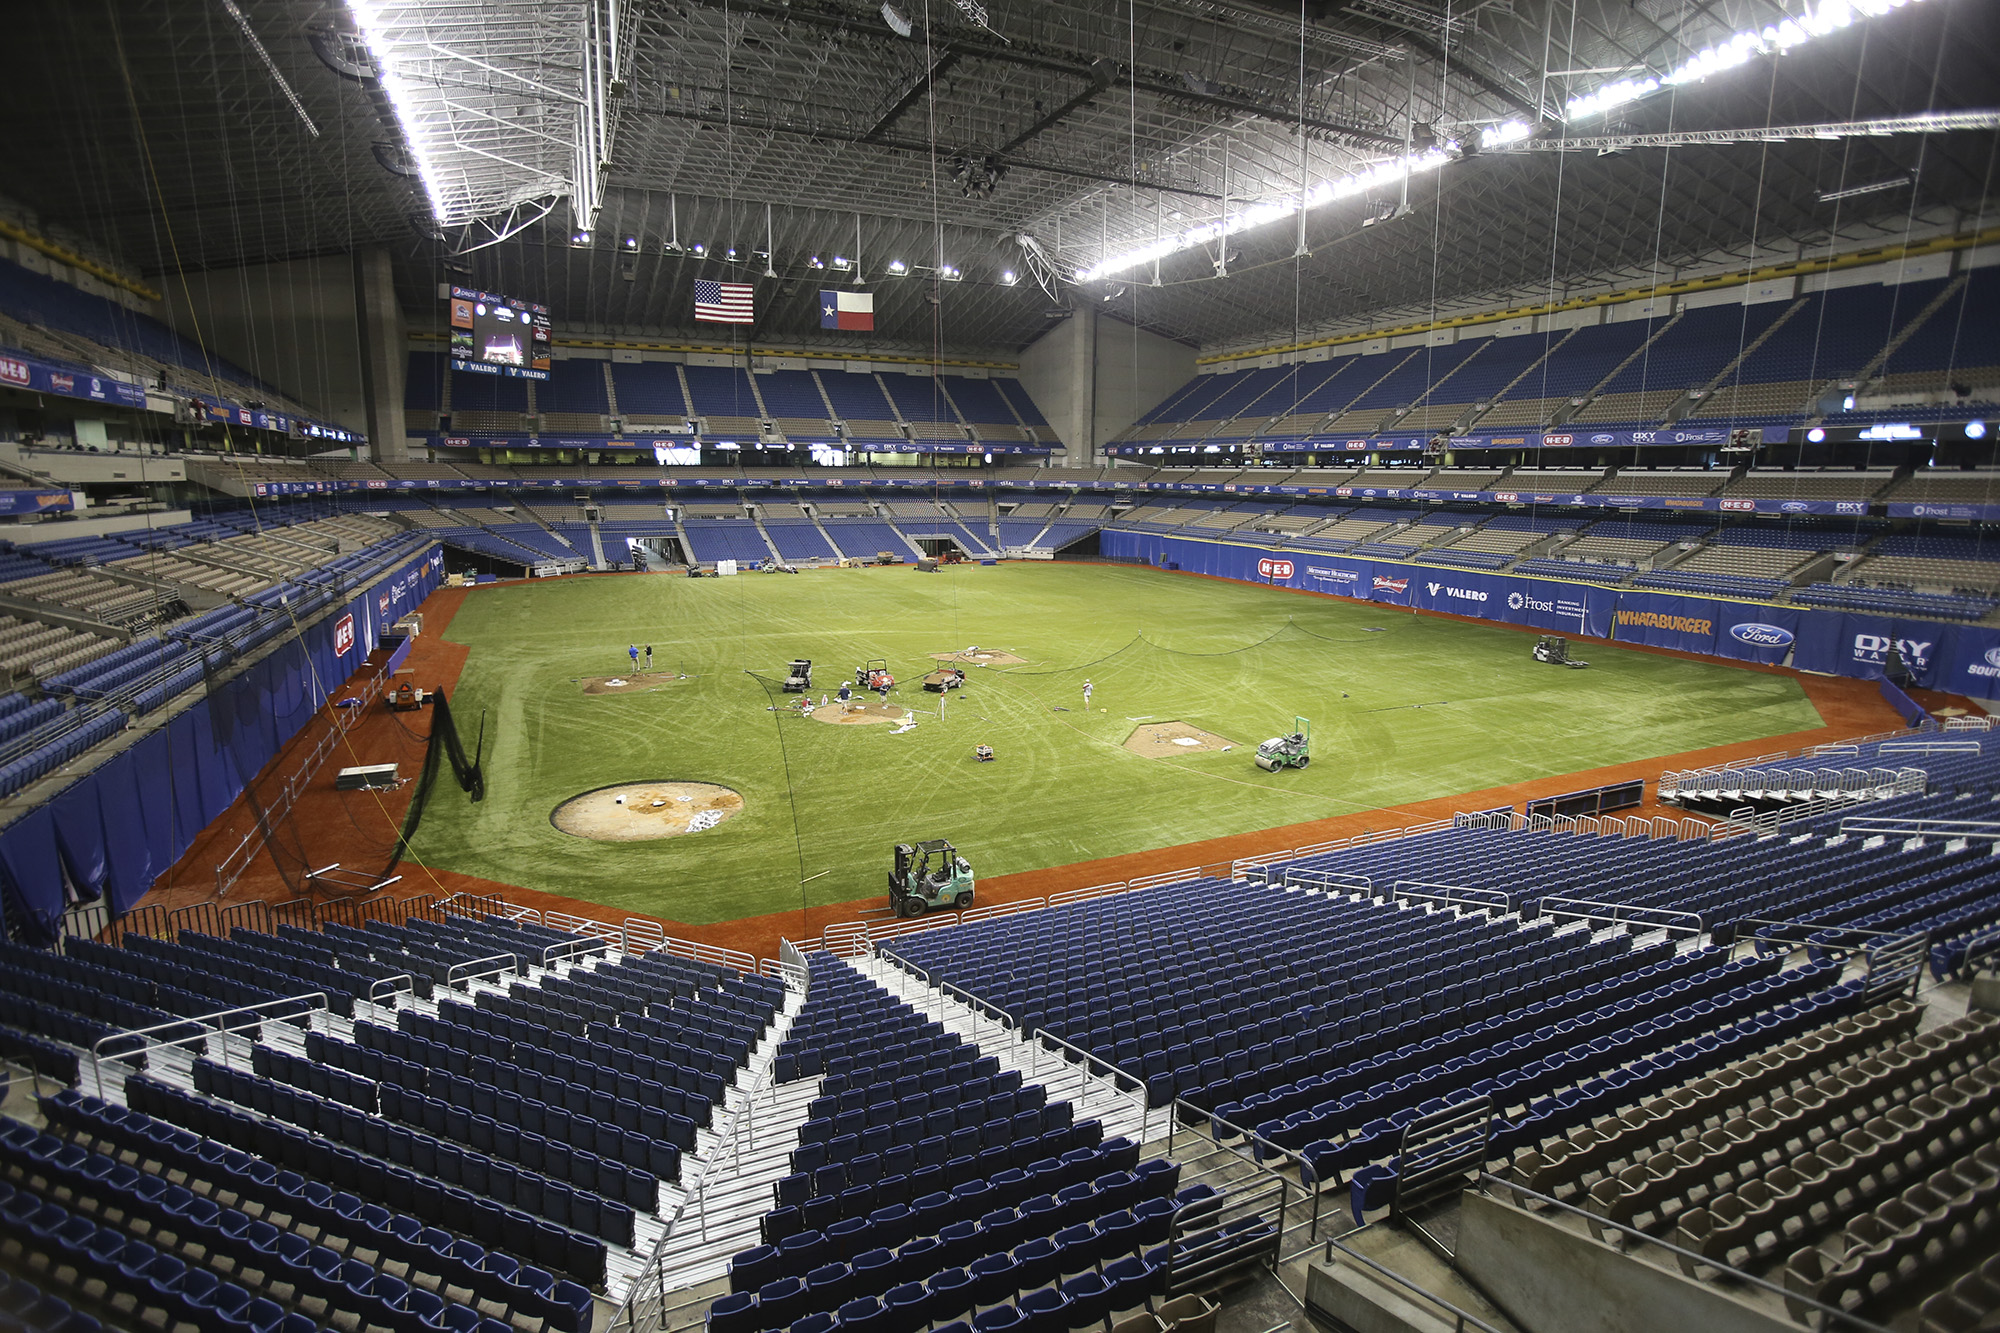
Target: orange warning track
[[323, 818]]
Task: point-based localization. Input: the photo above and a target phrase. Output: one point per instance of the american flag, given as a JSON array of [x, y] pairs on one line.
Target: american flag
[[724, 302]]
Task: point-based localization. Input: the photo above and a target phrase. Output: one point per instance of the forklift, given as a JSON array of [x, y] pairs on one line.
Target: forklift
[[927, 875]]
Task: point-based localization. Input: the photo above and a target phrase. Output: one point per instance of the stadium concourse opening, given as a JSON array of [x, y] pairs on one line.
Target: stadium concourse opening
[[444, 500]]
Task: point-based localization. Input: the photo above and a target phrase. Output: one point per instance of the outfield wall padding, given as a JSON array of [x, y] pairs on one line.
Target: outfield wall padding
[[1963, 659], [113, 831]]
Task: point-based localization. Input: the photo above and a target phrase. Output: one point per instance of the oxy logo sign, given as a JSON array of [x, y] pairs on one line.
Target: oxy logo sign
[[1760, 635], [1385, 584], [343, 637], [1916, 653], [1274, 569], [1850, 506]]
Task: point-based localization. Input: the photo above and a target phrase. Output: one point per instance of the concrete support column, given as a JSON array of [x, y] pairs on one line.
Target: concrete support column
[[383, 338]]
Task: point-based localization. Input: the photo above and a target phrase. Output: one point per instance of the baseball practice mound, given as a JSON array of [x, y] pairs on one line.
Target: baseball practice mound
[[637, 682], [641, 811], [1163, 740], [857, 713], [982, 656]]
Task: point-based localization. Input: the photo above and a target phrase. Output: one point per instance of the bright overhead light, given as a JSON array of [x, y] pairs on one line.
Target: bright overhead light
[[1975, 430], [815, 262], [948, 273], [730, 253], [1829, 16], [898, 267], [1007, 277], [630, 242], [842, 264], [374, 35], [699, 250], [580, 238]]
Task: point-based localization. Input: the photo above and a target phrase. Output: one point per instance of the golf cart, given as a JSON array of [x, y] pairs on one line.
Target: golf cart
[[929, 874], [1293, 751], [874, 676], [799, 676], [944, 678], [1554, 650]]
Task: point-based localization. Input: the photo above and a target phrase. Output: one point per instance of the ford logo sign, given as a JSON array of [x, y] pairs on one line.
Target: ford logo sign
[[1794, 506], [1761, 635], [1993, 657], [1603, 439]]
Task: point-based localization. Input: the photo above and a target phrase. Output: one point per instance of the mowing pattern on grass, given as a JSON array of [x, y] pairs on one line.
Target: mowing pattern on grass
[[826, 804]]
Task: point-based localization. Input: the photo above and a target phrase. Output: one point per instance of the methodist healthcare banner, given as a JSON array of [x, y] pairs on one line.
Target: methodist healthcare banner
[[1962, 659]]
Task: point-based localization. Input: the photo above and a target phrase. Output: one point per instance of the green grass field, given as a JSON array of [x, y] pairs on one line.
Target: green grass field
[[825, 803]]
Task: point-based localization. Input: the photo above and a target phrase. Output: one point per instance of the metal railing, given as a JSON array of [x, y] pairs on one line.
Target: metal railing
[[462, 972], [1602, 914], [642, 936], [1328, 881], [221, 1023], [1972, 830], [1687, 1261], [1461, 1320], [1449, 895]]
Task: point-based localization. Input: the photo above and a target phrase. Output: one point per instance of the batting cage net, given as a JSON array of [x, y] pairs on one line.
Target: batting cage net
[[444, 747]]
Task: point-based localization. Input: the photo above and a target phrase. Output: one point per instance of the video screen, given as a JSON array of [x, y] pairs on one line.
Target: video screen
[[498, 334]]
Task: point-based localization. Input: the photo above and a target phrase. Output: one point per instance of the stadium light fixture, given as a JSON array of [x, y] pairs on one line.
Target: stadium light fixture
[[699, 250], [842, 264], [1816, 435], [1975, 430], [897, 268], [579, 238], [630, 242], [1008, 278], [1829, 16], [815, 262], [374, 35]]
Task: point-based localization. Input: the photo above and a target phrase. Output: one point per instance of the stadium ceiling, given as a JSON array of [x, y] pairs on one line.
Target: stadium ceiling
[[813, 129]]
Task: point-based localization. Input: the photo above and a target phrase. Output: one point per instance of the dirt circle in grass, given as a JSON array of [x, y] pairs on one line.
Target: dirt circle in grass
[[857, 713], [1164, 740], [642, 811], [981, 657]]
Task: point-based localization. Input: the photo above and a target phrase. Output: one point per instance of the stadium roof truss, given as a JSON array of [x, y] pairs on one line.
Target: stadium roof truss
[[796, 131], [501, 104]]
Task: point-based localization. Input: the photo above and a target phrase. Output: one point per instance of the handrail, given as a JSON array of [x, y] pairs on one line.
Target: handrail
[[254, 1014], [452, 975], [1461, 1319], [1327, 879], [1453, 895], [641, 935], [375, 999], [1654, 918], [1138, 1098], [1889, 826], [571, 949], [1487, 1178]]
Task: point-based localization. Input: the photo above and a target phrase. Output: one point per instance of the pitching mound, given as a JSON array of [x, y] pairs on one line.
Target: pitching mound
[[637, 682], [641, 811], [858, 713], [984, 657], [1164, 740]]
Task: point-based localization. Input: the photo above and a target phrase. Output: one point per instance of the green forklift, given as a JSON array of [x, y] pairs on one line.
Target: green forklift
[[1293, 751], [927, 875]]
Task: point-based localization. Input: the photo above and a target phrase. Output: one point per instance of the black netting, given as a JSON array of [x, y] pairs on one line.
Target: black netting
[[444, 747]]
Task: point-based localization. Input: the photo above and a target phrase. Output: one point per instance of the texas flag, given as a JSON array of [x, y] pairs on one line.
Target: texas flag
[[846, 310]]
